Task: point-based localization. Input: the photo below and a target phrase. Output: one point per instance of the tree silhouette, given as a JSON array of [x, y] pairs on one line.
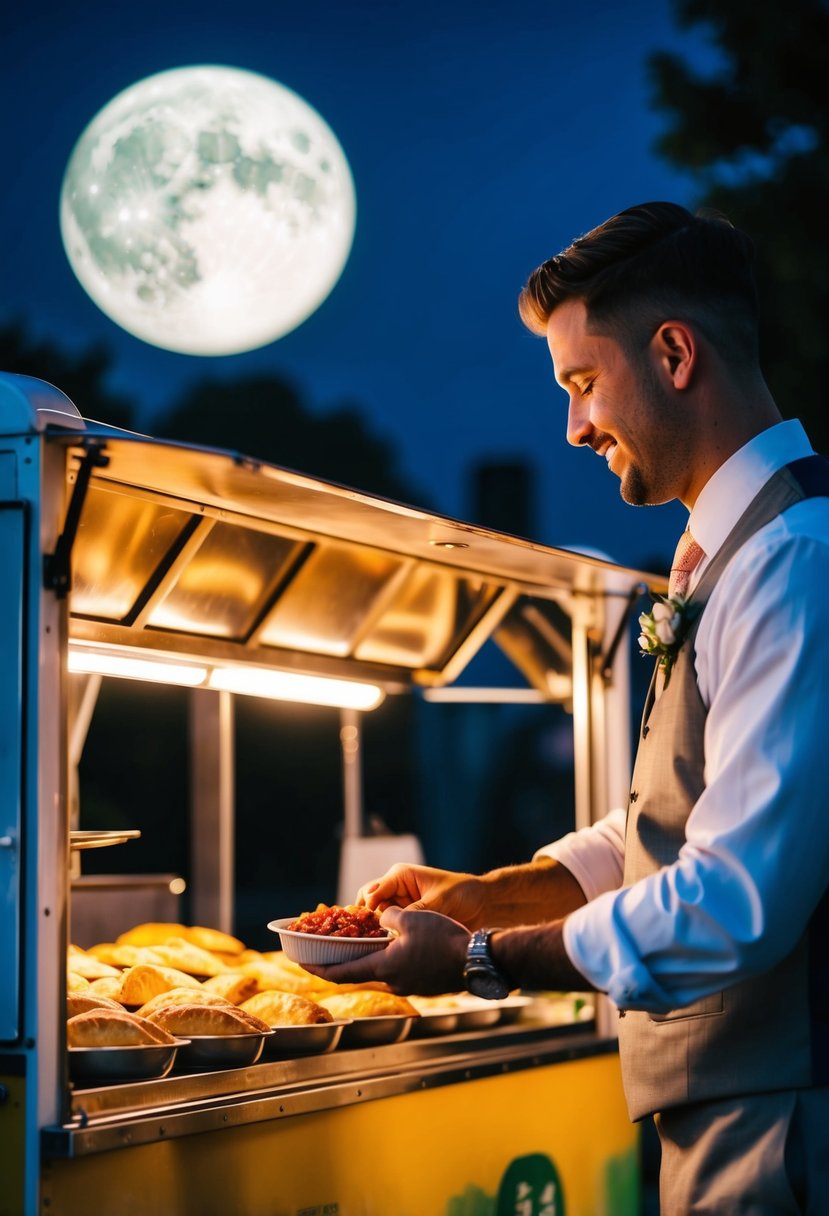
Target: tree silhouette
[[82, 377], [753, 134], [265, 416]]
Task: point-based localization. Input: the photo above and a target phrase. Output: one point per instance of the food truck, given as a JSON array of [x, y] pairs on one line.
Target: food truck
[[126, 554]]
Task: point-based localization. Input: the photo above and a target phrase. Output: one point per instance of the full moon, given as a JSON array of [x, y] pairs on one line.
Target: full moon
[[207, 210]]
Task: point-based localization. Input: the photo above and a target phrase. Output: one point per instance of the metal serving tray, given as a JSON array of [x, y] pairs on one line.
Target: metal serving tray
[[109, 1116]]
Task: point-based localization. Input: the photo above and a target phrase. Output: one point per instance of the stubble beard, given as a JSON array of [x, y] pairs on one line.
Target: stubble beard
[[633, 488], [643, 487]]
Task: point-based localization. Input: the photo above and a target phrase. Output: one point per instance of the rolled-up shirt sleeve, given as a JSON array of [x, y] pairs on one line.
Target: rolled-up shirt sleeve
[[756, 856], [595, 856]]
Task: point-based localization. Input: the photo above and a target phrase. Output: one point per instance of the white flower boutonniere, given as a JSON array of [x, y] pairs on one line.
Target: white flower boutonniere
[[664, 629]]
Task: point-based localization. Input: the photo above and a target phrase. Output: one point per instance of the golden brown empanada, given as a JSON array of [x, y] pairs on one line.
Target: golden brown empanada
[[213, 940], [286, 1009], [366, 1003], [123, 955], [151, 933], [141, 983], [232, 985], [184, 956], [113, 1028], [82, 1002], [192, 1021], [76, 983], [273, 977], [183, 996], [235, 960], [107, 985], [87, 965]]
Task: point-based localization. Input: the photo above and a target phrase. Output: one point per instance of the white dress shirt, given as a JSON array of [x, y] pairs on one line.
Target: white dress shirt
[[756, 856]]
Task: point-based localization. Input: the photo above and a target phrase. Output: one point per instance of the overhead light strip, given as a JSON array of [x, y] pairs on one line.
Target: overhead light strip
[[247, 681]]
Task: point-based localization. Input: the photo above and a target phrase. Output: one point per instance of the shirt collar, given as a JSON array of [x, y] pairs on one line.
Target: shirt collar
[[728, 492]]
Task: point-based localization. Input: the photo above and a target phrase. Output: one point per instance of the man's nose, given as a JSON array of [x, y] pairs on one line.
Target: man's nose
[[579, 427]]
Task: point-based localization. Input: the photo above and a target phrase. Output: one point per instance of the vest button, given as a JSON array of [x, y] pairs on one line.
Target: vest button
[[634, 794]]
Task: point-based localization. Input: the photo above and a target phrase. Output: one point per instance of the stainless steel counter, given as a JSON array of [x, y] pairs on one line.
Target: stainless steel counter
[[116, 1116]]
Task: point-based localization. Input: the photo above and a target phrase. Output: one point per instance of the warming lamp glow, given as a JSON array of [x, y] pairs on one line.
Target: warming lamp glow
[[249, 681], [288, 686], [101, 663]]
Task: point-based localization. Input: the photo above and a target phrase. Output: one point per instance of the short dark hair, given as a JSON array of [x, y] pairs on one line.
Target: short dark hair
[[647, 264]]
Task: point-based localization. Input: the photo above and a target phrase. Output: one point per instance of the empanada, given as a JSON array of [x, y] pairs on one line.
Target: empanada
[[122, 955], [141, 983], [76, 983], [113, 1028], [286, 1009], [107, 985], [235, 960], [152, 933], [184, 956], [273, 977], [183, 996], [82, 1002], [213, 939], [366, 1004], [90, 967], [232, 985], [191, 1021]]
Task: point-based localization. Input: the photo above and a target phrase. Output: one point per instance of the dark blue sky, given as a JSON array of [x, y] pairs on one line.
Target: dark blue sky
[[482, 138]]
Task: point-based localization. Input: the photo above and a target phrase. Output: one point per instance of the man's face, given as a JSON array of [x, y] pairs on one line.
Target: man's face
[[619, 407]]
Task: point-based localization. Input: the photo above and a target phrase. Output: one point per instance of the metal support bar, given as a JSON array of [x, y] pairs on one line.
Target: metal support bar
[[584, 726], [636, 592], [350, 742], [57, 566], [212, 767]]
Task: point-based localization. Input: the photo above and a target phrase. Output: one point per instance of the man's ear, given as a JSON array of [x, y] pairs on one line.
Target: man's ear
[[675, 346]]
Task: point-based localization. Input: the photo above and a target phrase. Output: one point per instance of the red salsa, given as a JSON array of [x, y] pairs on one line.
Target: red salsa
[[334, 921]]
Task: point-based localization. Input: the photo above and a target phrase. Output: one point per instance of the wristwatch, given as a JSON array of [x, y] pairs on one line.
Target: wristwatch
[[481, 976]]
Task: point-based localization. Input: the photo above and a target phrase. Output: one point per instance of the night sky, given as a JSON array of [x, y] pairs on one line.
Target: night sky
[[482, 138]]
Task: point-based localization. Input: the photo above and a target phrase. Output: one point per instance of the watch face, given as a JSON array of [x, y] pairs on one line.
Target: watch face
[[481, 982]]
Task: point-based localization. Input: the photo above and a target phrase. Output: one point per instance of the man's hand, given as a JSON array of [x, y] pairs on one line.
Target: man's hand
[[427, 956], [460, 896], [532, 893]]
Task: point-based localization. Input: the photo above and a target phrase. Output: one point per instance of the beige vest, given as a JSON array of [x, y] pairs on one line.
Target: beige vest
[[762, 1034]]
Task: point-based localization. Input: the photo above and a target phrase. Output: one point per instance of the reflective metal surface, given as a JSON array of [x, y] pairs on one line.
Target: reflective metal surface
[[184, 551], [114, 1116]]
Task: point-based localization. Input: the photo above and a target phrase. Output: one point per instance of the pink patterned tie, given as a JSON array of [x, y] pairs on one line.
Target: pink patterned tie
[[688, 554]]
